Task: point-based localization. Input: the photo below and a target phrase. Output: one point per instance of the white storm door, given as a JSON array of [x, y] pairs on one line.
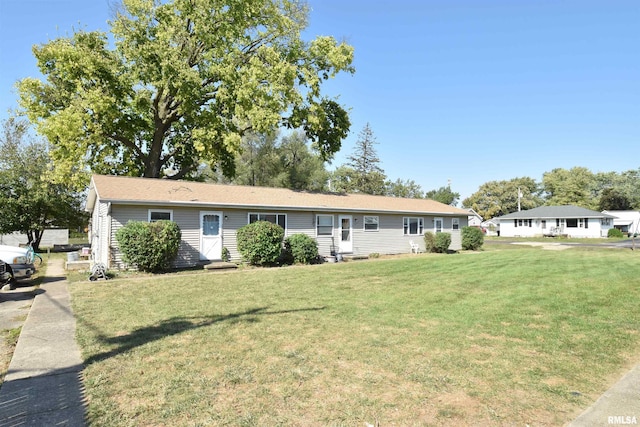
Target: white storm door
[[346, 234], [438, 225], [210, 235]]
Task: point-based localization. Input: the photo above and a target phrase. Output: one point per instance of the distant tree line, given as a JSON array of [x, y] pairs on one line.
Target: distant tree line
[[576, 186], [293, 162]]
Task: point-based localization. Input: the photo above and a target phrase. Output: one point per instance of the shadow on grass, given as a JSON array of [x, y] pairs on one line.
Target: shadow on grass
[[177, 325]]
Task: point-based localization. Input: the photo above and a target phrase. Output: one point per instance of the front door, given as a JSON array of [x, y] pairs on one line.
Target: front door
[[346, 234], [210, 236]]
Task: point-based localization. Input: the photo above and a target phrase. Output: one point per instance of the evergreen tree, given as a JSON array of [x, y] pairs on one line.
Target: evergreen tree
[[368, 176]]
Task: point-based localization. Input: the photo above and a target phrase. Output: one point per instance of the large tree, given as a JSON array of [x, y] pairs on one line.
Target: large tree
[[288, 162], [576, 186], [497, 198], [31, 200], [184, 81]]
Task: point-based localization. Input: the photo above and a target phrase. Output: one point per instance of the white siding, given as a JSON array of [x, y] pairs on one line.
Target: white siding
[[509, 229]]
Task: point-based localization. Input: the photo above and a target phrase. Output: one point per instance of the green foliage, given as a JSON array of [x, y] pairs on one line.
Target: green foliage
[[613, 200], [442, 242], [443, 195], [472, 238], [302, 248], [404, 188], [150, 246], [288, 163], [260, 243], [226, 256], [178, 83], [570, 187], [497, 198], [32, 199], [429, 241], [614, 233], [368, 177]]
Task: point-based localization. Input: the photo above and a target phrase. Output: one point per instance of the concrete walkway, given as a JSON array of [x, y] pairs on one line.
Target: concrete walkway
[[43, 386], [620, 405]]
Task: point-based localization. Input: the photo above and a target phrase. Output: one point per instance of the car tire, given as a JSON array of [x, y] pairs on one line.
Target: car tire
[[12, 280]]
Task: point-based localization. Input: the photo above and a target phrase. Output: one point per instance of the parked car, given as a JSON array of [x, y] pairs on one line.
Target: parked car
[[19, 261], [5, 276]]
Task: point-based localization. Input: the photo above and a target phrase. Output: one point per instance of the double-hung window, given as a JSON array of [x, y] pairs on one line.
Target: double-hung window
[[324, 225], [160, 214], [371, 223], [413, 226], [275, 218], [455, 223]]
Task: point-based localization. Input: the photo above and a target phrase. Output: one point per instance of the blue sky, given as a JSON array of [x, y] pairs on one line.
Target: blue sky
[[463, 90]]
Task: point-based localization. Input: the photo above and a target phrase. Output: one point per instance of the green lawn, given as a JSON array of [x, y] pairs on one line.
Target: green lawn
[[501, 337]]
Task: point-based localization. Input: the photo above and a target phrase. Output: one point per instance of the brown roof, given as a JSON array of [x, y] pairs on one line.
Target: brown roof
[[128, 190]]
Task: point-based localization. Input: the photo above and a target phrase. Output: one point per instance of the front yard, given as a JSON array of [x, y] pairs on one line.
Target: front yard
[[501, 337]]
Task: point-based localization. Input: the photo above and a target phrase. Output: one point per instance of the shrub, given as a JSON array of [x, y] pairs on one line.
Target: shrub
[[150, 246], [443, 241], [302, 248], [472, 238], [226, 256], [614, 232], [429, 241], [260, 243]]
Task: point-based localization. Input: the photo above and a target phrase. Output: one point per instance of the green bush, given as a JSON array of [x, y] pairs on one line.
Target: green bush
[[260, 243], [150, 246], [472, 238], [443, 241], [429, 242], [302, 248], [226, 256], [614, 232]]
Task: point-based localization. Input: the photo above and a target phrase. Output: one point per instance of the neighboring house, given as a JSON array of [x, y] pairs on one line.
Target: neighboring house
[[626, 221], [209, 216], [475, 220], [50, 237], [571, 221], [491, 227]]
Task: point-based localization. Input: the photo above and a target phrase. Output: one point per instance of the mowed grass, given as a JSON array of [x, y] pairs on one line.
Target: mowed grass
[[501, 337]]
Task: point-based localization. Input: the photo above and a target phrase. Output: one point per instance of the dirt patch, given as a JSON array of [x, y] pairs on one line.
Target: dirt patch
[[545, 246]]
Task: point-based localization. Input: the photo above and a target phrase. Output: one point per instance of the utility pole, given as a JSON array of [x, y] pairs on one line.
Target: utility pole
[[519, 197]]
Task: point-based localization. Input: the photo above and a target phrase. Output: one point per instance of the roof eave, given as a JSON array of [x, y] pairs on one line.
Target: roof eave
[[196, 203]]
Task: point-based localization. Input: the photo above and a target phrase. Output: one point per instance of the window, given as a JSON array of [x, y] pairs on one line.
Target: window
[[371, 223], [455, 223], [324, 225], [544, 224], [605, 221], [160, 214], [413, 226], [572, 222], [275, 218]]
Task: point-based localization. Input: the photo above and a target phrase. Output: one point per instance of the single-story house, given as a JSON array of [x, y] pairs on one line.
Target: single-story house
[[475, 220], [572, 221], [626, 221], [209, 216]]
